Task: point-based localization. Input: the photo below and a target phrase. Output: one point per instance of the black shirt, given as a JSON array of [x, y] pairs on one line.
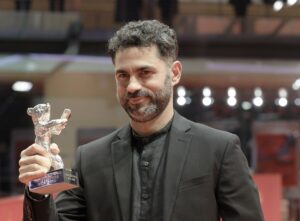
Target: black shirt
[[148, 166]]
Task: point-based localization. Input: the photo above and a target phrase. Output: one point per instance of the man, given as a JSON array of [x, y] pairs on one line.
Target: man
[[161, 166]]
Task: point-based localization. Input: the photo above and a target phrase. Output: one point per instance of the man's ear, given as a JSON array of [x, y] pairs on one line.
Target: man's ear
[[176, 69]]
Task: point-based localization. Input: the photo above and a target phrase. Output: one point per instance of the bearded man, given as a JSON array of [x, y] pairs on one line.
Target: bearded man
[[159, 167]]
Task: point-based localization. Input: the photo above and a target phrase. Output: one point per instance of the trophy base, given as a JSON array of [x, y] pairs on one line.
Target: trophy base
[[54, 181]]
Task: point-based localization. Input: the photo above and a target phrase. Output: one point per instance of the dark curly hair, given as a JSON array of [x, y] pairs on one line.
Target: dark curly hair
[[145, 34]]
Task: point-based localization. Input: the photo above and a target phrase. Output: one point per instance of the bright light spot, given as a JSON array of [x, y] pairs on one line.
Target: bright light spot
[[258, 101], [246, 105], [296, 84], [207, 101], [282, 92], [291, 2], [297, 101], [206, 92], [22, 86], [181, 101], [258, 92], [181, 92], [231, 101], [231, 92], [278, 5], [282, 102]]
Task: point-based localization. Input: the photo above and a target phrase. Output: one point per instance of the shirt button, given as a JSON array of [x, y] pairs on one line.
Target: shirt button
[[145, 163], [145, 196]]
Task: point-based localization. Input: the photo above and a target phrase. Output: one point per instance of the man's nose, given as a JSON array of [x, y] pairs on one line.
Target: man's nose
[[133, 85]]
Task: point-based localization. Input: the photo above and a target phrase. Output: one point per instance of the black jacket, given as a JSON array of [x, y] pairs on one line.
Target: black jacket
[[207, 177]]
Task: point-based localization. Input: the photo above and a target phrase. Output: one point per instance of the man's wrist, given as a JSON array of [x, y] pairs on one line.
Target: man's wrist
[[35, 196]]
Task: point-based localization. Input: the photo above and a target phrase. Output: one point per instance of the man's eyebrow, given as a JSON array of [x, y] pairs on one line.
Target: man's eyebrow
[[120, 71], [141, 68], [145, 67]]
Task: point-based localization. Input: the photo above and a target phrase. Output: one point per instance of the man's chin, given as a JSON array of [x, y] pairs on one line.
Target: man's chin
[[140, 118], [137, 118]]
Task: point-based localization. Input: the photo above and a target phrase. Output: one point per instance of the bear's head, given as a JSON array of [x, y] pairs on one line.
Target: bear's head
[[39, 113]]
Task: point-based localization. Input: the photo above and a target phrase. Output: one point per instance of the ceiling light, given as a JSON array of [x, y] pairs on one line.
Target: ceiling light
[[297, 101], [22, 86], [258, 92], [206, 92], [291, 2], [282, 102], [231, 92], [258, 101], [277, 6], [231, 101], [181, 101], [282, 92], [296, 84], [246, 105], [207, 101], [181, 92]]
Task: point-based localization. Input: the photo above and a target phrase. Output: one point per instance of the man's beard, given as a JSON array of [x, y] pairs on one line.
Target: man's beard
[[157, 103]]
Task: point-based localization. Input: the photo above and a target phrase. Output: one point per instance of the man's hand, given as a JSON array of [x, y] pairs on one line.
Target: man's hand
[[35, 162]]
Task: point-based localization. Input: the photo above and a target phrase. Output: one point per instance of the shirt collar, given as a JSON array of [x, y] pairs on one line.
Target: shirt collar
[[147, 139]]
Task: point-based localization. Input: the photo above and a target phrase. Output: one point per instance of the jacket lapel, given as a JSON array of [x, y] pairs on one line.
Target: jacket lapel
[[122, 167], [176, 157]]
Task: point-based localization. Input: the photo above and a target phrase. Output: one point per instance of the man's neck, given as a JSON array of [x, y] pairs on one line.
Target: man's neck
[[150, 127]]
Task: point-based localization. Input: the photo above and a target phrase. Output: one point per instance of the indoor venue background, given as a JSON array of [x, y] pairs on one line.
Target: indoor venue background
[[241, 73]]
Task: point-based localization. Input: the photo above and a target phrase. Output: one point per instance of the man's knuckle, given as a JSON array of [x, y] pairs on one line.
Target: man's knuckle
[[36, 166], [35, 158], [21, 162]]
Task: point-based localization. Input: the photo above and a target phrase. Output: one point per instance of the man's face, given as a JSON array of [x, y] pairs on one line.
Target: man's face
[[144, 85]]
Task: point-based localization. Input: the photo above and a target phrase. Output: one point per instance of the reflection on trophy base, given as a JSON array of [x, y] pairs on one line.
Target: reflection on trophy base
[[55, 181]]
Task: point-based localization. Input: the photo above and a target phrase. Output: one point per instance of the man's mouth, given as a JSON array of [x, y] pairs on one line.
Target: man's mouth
[[136, 100]]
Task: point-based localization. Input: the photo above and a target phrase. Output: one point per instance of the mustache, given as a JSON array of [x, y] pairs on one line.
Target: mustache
[[136, 94]]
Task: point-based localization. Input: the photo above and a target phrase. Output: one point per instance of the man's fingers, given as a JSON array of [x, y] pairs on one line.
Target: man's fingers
[[33, 150], [32, 168], [32, 171], [29, 176], [35, 159], [34, 163]]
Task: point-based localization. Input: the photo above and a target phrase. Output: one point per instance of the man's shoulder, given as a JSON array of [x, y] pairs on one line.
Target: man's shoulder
[[207, 129], [205, 132], [181, 120], [104, 142]]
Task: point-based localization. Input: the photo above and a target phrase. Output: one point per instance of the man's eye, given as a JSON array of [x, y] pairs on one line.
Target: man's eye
[[146, 73], [122, 76]]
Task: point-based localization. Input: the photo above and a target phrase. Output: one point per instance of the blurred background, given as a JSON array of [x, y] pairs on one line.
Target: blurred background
[[241, 62]]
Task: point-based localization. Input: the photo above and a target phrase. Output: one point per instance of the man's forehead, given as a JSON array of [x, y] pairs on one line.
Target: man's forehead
[[149, 49]]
